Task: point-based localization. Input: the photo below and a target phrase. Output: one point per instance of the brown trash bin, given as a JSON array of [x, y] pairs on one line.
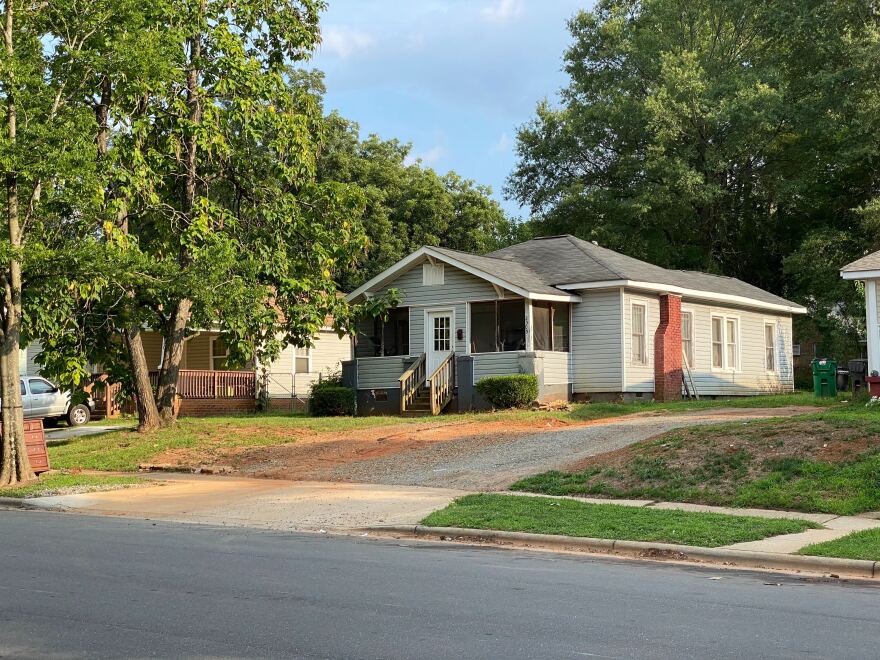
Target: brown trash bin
[[35, 441]]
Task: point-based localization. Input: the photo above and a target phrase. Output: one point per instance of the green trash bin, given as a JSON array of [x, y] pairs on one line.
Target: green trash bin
[[824, 377]]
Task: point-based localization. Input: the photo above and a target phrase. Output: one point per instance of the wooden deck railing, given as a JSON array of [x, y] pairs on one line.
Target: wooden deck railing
[[441, 384], [202, 384], [410, 382]]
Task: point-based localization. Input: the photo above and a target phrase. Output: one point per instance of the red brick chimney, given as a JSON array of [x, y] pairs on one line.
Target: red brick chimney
[[667, 350]]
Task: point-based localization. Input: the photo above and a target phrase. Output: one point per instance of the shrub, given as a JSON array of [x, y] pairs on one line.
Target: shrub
[[515, 391], [328, 380], [331, 401]]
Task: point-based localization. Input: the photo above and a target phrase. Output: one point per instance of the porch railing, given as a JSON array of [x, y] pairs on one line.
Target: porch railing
[[441, 384], [410, 382], [203, 384]]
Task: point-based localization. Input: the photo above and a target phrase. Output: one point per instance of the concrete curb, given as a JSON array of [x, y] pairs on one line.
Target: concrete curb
[[647, 550], [29, 503]]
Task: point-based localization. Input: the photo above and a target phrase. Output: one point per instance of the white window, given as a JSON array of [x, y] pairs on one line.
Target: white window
[[732, 344], [639, 354], [687, 337], [770, 346], [302, 361], [442, 334], [219, 354], [432, 274], [717, 342], [725, 342]]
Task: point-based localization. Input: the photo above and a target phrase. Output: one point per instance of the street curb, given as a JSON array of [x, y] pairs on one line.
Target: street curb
[[647, 550], [28, 503]]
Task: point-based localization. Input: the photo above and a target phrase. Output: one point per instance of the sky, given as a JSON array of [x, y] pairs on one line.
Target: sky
[[455, 78]]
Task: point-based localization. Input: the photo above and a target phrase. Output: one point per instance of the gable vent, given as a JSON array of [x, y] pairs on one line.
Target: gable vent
[[432, 274]]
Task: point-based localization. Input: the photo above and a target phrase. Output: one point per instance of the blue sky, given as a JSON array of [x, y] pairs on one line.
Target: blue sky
[[455, 77]]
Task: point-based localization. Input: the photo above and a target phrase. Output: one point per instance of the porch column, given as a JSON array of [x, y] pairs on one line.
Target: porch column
[[667, 350], [872, 325]]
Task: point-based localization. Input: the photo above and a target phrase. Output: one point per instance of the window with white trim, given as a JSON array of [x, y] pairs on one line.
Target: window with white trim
[[770, 346], [301, 360], [725, 342], [639, 348], [219, 354], [732, 343], [432, 274], [687, 337], [717, 342]]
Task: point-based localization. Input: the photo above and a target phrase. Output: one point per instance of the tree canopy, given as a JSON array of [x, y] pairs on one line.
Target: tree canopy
[[733, 136]]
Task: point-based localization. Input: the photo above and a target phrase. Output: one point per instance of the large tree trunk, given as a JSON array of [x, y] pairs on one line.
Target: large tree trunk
[[14, 463], [148, 413], [172, 358], [175, 331]]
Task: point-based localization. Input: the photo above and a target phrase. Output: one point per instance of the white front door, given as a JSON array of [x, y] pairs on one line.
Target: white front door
[[439, 339]]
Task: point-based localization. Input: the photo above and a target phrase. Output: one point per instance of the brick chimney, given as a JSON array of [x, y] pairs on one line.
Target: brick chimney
[[667, 350]]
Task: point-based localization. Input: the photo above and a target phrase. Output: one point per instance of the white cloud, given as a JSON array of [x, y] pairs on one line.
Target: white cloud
[[426, 158], [343, 42], [502, 145], [502, 10]]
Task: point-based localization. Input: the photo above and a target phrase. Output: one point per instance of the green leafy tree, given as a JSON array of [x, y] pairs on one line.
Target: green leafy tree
[[721, 135], [407, 205]]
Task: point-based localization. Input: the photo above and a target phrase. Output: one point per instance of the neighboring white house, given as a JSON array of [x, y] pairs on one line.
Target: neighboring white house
[[867, 269], [588, 321]]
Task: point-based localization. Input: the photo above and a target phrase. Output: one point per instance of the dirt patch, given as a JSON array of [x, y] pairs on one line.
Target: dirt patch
[[310, 455]]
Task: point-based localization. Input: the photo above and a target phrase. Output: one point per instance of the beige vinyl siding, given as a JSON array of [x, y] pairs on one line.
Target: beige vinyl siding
[[496, 364], [326, 356], [557, 367], [595, 342], [198, 351], [152, 348], [640, 376], [380, 372], [751, 376]]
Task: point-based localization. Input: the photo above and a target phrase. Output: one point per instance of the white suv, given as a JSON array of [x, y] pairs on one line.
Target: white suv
[[44, 400]]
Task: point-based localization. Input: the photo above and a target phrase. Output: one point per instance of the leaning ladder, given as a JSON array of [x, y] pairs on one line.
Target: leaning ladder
[[690, 389]]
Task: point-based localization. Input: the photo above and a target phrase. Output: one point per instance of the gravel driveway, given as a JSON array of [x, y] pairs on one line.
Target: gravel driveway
[[494, 463]]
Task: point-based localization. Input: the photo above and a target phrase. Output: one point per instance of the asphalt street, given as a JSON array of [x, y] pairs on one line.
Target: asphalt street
[[81, 586]]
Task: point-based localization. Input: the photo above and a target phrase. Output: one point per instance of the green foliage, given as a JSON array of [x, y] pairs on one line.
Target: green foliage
[[732, 136], [332, 401], [408, 205], [858, 545], [515, 391], [541, 515]]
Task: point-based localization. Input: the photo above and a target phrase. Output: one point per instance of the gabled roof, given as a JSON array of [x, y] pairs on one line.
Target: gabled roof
[[868, 265], [556, 267]]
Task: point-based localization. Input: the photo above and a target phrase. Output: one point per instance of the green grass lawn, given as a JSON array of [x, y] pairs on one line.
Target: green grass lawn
[[858, 545], [59, 482], [821, 462], [126, 450], [544, 515]]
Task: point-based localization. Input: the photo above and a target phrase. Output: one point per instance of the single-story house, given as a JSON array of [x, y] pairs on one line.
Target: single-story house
[[867, 269], [209, 386], [589, 322]]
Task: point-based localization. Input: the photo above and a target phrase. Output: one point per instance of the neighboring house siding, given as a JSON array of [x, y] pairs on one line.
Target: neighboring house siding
[[152, 349], [557, 367], [379, 373], [27, 364], [325, 358], [496, 364], [752, 377], [640, 376], [596, 342]]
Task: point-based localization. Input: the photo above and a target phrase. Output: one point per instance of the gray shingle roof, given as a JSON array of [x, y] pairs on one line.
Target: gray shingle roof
[[560, 260], [514, 272], [870, 262]]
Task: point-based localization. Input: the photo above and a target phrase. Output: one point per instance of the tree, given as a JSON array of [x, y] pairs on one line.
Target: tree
[[720, 135], [407, 205], [48, 164]]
